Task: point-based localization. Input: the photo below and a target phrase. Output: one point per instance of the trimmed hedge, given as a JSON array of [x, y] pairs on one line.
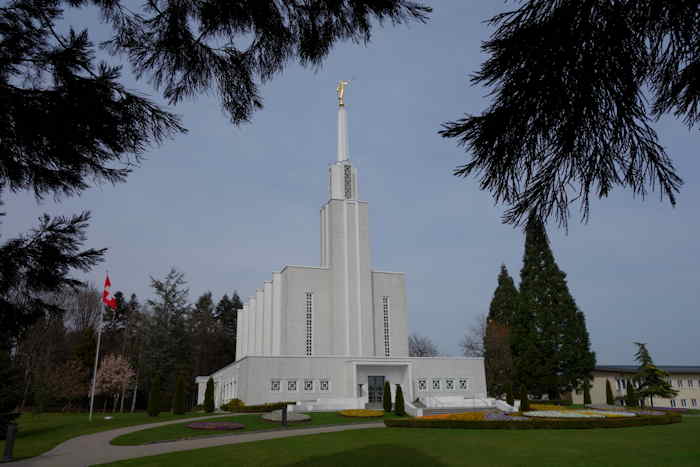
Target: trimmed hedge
[[553, 402], [547, 423], [254, 408]]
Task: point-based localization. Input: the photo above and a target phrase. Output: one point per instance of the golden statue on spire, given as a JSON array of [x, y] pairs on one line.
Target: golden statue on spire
[[341, 92]]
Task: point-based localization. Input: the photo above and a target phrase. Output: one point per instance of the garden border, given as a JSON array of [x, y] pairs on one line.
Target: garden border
[[546, 424]]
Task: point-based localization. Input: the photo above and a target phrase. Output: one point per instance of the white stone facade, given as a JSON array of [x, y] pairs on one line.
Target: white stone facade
[[326, 336]]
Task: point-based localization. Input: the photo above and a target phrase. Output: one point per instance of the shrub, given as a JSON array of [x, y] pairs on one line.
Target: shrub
[[233, 405], [533, 424], [631, 399], [209, 396], [609, 399], [236, 405], [399, 408], [586, 393], [154, 397], [179, 399], [510, 399], [524, 403], [387, 397], [362, 413]]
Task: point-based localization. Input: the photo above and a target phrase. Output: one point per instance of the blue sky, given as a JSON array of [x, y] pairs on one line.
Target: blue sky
[[229, 205]]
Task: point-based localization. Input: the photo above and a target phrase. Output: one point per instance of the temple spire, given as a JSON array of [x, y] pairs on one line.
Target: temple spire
[[342, 122]]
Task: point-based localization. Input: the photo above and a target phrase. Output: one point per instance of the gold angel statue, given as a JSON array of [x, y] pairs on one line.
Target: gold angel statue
[[341, 92]]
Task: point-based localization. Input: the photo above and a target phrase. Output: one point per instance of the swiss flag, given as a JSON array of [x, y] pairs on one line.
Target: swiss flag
[[107, 298]]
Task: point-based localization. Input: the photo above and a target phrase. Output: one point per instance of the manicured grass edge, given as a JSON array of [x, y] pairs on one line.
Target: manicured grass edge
[[547, 424]]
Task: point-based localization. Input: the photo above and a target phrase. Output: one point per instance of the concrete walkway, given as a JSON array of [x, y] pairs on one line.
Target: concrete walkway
[[95, 448]]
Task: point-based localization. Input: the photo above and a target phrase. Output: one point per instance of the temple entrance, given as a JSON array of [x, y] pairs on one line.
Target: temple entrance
[[375, 389]]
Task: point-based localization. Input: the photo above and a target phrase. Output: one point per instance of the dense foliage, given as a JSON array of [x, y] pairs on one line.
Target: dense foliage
[[576, 87], [551, 347], [651, 380], [154, 398], [179, 399]]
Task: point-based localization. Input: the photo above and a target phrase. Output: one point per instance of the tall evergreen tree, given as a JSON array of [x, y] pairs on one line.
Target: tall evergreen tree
[[154, 397], [209, 342], [209, 396], [227, 314], [497, 353], [652, 381], [179, 399], [505, 299], [168, 347], [560, 334], [387, 397]]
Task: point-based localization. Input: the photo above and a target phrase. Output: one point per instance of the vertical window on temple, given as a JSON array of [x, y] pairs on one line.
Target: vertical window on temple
[[309, 322], [387, 331]]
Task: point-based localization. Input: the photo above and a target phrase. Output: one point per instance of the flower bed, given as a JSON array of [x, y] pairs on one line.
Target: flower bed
[[457, 416], [534, 423], [219, 426], [363, 413]]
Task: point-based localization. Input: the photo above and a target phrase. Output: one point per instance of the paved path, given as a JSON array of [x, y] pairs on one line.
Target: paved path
[[95, 448]]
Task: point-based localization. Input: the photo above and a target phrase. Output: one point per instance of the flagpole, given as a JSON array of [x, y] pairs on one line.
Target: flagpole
[[97, 356]]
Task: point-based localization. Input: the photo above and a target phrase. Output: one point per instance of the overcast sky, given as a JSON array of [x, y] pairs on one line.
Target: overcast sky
[[229, 205]]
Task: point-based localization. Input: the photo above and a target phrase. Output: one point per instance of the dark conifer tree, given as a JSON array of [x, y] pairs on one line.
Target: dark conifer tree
[[560, 334], [652, 380], [524, 401], [609, 398], [399, 405], [387, 397], [227, 314], [179, 399], [154, 397], [497, 353], [209, 396], [505, 299]]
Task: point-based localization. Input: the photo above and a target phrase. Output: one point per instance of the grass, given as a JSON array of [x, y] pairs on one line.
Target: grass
[[252, 422], [41, 432], [673, 445]]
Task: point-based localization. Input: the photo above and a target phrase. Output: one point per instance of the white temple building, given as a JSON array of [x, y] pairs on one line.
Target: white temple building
[[329, 336]]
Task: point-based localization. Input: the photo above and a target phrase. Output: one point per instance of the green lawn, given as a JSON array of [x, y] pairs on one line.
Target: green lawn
[[667, 445], [41, 432], [252, 422]]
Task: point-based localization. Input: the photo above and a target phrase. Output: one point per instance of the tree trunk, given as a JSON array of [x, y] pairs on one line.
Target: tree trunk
[[121, 407], [133, 400], [104, 409]]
